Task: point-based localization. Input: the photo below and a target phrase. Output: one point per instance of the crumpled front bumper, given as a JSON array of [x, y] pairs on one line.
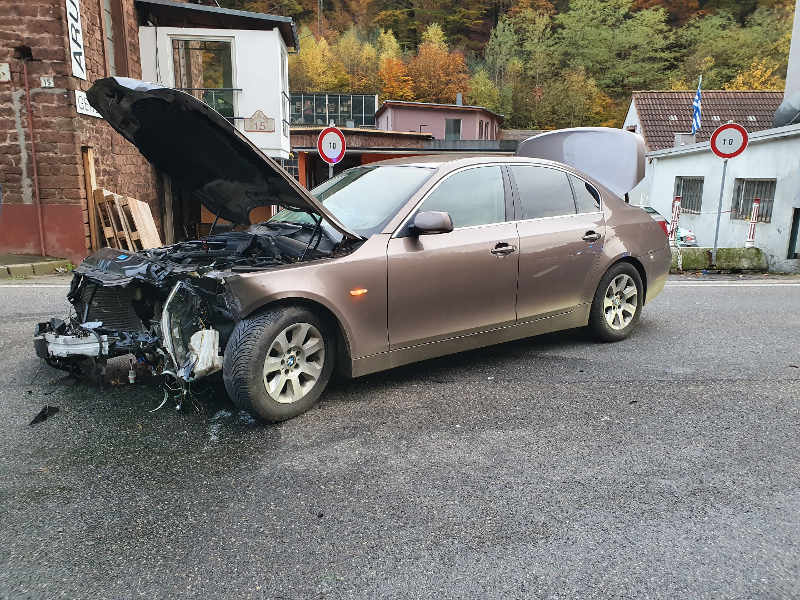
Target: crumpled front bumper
[[49, 345], [182, 346]]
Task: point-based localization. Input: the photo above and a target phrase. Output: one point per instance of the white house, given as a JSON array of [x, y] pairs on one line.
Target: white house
[[236, 61], [769, 170]]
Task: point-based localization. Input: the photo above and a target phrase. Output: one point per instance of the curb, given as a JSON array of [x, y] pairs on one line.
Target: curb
[[46, 267]]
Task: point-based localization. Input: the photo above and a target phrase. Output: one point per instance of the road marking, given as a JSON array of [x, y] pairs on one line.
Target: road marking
[[737, 284], [33, 285]]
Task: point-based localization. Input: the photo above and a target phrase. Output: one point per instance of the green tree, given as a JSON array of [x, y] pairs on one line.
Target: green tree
[[501, 48], [624, 49], [483, 91], [434, 34], [387, 45]]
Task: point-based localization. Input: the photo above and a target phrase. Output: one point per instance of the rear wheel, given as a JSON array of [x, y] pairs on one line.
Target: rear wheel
[[278, 363], [617, 303]]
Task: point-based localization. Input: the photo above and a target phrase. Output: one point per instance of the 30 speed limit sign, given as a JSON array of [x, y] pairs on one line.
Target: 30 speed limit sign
[[330, 145], [729, 140]]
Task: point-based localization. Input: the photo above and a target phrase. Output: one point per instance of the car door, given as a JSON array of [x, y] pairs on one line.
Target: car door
[[561, 230], [449, 284]]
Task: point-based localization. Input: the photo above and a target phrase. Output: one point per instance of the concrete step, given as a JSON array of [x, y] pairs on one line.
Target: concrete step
[[23, 265]]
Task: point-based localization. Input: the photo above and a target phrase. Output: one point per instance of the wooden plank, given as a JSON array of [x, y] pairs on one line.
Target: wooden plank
[[125, 229], [91, 186], [103, 210], [167, 221], [145, 225]]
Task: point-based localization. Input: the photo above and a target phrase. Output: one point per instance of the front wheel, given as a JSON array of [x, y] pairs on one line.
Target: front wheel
[[617, 303], [278, 362]]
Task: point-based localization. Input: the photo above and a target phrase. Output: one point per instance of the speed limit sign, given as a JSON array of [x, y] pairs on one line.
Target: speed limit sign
[[729, 140], [330, 145]]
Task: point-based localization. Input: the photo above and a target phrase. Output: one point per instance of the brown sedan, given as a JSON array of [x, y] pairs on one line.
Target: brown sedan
[[382, 265]]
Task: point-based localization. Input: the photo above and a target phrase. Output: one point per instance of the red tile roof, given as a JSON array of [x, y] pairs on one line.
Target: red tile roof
[[662, 114]]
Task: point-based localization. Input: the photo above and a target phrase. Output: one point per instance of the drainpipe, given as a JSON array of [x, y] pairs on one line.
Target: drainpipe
[[33, 155]]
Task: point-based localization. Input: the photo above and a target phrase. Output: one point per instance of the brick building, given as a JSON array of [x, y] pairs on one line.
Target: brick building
[[50, 53], [41, 153]]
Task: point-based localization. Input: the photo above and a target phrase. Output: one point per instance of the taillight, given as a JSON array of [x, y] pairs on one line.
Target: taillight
[[664, 227]]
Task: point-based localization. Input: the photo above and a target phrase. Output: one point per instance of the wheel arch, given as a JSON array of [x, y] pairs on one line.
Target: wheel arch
[[344, 363], [637, 264]]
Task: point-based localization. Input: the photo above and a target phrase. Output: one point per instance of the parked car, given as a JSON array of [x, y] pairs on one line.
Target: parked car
[[685, 236], [382, 265]]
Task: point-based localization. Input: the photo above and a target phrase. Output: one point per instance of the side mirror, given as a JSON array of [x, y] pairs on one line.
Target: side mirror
[[432, 221]]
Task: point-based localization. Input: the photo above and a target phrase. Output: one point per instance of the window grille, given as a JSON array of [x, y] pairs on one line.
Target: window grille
[[342, 109], [745, 190], [291, 166], [690, 189]]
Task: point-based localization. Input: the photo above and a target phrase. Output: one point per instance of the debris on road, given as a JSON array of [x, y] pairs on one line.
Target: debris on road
[[44, 414]]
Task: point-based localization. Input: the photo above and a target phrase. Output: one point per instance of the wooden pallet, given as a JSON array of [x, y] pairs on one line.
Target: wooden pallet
[[125, 223]]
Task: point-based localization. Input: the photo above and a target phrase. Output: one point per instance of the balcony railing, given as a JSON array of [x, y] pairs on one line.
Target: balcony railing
[[221, 100]]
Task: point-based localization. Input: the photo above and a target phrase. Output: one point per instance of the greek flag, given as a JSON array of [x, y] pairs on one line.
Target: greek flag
[[696, 107]]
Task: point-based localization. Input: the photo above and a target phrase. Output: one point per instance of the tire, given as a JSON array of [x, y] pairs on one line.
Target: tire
[[610, 318], [306, 368]]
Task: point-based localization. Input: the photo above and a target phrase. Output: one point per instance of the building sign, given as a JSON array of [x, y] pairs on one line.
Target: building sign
[[260, 122], [83, 106], [75, 33]]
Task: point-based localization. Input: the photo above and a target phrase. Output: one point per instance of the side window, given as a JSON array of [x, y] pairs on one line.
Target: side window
[[587, 199], [543, 192], [471, 197]]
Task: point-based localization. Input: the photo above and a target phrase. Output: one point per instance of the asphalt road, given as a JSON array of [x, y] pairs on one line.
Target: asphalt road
[[664, 466]]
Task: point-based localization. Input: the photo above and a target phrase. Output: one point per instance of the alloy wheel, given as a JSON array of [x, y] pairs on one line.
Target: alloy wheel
[[294, 363], [620, 302]]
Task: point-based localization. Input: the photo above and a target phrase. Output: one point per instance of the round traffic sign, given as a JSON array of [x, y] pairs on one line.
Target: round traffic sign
[[729, 140], [331, 145]]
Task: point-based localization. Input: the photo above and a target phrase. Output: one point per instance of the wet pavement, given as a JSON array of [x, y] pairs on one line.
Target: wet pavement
[[663, 466]]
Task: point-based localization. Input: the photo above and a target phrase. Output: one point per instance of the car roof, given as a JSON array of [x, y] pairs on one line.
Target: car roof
[[453, 161]]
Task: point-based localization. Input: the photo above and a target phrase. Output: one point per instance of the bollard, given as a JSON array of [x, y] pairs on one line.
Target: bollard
[[750, 242], [673, 228]]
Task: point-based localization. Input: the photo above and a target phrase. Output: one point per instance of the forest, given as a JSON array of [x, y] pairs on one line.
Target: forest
[[541, 63]]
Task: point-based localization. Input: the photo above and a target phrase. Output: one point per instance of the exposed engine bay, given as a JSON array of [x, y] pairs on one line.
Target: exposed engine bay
[[170, 307]]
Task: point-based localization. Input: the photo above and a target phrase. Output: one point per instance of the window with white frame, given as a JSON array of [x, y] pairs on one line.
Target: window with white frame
[[204, 69], [745, 191], [690, 189]]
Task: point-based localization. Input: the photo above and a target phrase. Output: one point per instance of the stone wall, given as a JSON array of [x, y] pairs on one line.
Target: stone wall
[[59, 131]]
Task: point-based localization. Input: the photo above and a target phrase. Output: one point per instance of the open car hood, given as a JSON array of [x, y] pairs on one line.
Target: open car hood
[[201, 151]]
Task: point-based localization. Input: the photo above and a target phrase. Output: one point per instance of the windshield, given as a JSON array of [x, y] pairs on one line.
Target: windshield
[[363, 198]]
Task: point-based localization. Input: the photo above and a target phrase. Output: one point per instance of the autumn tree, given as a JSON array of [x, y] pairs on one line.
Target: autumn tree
[[762, 74], [360, 61], [436, 73], [395, 82], [315, 67]]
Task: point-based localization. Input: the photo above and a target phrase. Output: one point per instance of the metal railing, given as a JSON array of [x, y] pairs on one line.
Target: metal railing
[[221, 100]]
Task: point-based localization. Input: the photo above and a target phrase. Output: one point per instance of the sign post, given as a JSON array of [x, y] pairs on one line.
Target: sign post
[[751, 232], [728, 141], [331, 147]]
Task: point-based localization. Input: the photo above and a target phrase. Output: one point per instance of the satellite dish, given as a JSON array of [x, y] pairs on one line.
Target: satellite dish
[[612, 157]]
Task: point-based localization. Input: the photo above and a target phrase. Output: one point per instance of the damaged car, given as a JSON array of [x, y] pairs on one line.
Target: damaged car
[[382, 265]]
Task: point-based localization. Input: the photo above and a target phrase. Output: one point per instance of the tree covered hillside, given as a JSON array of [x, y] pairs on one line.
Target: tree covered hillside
[[541, 63]]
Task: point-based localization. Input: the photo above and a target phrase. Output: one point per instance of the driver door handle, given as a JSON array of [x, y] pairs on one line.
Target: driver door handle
[[591, 236], [503, 249]]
